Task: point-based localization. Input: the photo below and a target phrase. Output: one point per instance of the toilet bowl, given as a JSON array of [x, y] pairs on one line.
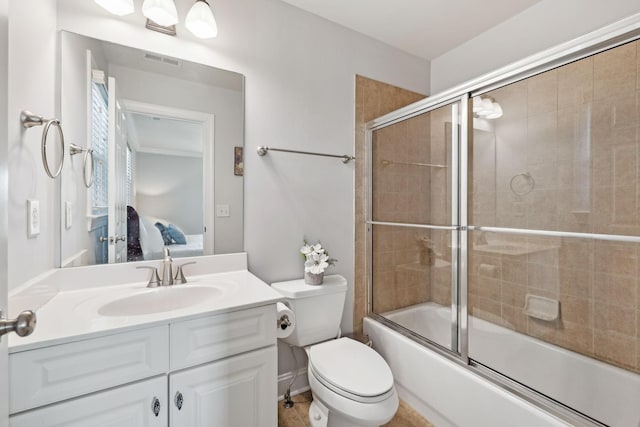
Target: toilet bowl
[[352, 385]]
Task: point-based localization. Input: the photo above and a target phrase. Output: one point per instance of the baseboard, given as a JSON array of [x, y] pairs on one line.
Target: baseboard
[[300, 385]]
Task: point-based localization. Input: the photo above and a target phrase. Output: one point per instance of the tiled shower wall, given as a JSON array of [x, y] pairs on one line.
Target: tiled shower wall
[[575, 132], [373, 99]]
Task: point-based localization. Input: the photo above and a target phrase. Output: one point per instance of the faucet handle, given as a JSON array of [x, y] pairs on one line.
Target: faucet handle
[[180, 274], [154, 280]]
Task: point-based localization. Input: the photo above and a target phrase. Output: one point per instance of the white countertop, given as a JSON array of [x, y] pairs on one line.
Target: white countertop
[[73, 315]]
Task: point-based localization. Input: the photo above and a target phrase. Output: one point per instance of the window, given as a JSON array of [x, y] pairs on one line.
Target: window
[[100, 146]]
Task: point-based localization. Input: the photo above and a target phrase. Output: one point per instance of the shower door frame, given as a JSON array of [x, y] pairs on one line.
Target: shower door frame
[[459, 132], [624, 31]]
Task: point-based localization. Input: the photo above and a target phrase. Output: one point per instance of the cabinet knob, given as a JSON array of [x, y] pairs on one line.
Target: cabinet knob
[[179, 400], [155, 406]]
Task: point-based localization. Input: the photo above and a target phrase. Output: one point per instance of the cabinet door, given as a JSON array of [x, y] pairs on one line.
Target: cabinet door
[[238, 391], [128, 406]]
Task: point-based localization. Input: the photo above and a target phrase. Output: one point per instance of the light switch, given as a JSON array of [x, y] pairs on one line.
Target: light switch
[[33, 218], [68, 214], [222, 210]]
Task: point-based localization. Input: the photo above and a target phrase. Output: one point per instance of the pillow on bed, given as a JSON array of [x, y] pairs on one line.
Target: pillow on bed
[[176, 234], [168, 240]]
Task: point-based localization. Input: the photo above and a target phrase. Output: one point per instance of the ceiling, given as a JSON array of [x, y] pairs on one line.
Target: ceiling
[[425, 28], [164, 135]]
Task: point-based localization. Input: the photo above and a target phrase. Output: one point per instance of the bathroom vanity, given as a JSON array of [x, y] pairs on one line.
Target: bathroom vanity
[[195, 354]]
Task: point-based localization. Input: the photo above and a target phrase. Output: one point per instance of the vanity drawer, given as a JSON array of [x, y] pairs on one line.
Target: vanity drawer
[[203, 340], [60, 372]]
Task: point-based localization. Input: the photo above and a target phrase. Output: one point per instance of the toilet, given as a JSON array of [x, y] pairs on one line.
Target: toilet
[[351, 384]]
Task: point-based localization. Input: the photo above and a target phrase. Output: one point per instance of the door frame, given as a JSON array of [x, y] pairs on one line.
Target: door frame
[[207, 121]]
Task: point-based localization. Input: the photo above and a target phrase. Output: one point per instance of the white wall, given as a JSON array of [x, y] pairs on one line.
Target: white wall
[[543, 25], [170, 187], [32, 83]]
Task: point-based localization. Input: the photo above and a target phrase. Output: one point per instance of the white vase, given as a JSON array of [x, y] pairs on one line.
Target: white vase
[[313, 279]]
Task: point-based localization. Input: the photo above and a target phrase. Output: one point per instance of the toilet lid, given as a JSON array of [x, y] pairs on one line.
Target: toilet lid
[[351, 366]]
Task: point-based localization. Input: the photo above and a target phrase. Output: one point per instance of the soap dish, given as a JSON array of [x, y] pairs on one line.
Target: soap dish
[[541, 308]]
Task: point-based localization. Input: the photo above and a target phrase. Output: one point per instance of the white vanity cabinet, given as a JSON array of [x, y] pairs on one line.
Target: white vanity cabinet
[[132, 405], [230, 392], [218, 370]]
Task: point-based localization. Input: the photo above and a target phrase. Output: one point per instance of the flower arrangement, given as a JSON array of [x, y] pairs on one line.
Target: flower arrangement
[[316, 260]]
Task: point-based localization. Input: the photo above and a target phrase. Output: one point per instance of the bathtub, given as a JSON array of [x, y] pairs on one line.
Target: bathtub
[[449, 394]]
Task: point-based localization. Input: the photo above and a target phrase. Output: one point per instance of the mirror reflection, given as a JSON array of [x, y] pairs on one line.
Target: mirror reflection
[[164, 135]]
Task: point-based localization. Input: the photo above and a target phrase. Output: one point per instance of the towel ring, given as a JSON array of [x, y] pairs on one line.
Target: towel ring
[[528, 186], [88, 152], [28, 120]]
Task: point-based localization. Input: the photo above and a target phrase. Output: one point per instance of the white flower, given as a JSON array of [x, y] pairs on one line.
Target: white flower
[[306, 249], [316, 263]]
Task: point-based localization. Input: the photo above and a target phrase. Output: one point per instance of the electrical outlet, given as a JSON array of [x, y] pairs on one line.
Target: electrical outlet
[[68, 214], [33, 218], [222, 210]]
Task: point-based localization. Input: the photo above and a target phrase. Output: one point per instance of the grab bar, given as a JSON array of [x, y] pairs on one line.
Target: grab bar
[[345, 157], [76, 149], [28, 120]]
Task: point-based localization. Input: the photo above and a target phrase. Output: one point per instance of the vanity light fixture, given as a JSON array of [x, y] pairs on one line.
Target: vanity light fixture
[[200, 21], [117, 7], [162, 12]]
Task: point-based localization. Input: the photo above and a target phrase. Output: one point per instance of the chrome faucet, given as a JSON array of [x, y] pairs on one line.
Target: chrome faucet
[[167, 268]]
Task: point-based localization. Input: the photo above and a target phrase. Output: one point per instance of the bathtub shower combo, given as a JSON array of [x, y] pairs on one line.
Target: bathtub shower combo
[[503, 223]]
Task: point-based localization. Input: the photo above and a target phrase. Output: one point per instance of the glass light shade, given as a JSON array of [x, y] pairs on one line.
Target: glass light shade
[[477, 104], [162, 12], [486, 107], [200, 21], [496, 113], [117, 7]]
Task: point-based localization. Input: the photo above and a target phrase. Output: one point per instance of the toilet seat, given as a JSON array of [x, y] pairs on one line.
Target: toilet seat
[[352, 370]]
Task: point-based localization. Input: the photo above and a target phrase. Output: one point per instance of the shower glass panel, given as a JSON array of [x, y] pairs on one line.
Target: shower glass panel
[[414, 223], [554, 202]]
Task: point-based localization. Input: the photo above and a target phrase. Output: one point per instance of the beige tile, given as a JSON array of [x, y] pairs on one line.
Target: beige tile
[[638, 68], [575, 83], [542, 93], [615, 71], [577, 337], [577, 310]]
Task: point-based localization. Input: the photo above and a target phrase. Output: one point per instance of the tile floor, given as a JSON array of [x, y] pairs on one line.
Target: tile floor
[[297, 416]]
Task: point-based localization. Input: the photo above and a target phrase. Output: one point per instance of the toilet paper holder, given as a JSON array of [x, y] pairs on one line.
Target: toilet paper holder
[[283, 322]]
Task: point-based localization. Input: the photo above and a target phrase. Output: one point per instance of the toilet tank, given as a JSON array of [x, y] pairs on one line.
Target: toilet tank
[[318, 309]]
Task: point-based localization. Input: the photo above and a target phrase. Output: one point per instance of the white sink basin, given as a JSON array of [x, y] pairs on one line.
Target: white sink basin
[[160, 300]]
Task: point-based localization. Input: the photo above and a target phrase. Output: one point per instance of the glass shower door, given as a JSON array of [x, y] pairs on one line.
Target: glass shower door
[[554, 255], [413, 223]]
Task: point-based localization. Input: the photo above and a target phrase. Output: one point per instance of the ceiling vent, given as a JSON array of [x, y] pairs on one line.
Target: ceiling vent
[[162, 59]]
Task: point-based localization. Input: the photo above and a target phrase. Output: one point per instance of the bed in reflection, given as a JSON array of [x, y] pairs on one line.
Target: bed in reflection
[[147, 236]]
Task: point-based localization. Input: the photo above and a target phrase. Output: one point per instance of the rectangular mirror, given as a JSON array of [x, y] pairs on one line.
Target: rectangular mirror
[[153, 157]]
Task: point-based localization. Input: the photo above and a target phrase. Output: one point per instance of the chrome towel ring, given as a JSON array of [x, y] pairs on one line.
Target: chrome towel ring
[[522, 184], [88, 153], [28, 120]]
